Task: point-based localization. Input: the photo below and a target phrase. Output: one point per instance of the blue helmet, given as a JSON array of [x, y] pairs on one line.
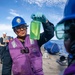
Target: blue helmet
[[18, 21], [69, 11]]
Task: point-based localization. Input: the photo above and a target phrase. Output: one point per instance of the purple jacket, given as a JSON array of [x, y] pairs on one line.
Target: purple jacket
[[70, 70], [26, 63]]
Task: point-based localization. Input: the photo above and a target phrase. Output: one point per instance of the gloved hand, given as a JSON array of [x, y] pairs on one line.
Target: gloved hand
[[39, 17]]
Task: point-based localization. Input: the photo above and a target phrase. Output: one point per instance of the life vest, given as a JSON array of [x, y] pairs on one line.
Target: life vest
[[25, 63]]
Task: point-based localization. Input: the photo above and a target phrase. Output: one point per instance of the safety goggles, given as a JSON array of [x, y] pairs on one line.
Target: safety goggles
[[65, 30], [59, 30], [19, 28]]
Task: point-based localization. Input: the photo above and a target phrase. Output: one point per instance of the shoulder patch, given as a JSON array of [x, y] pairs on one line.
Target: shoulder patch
[[31, 41], [14, 44]]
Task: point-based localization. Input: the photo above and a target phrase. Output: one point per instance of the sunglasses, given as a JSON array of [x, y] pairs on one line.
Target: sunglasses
[[21, 27]]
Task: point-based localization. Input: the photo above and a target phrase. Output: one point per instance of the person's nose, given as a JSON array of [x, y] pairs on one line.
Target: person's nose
[[21, 28]]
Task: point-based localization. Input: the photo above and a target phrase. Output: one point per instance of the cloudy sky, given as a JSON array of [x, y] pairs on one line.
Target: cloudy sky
[[52, 9]]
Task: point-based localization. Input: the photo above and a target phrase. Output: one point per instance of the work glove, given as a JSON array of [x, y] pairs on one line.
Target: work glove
[[39, 17]]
